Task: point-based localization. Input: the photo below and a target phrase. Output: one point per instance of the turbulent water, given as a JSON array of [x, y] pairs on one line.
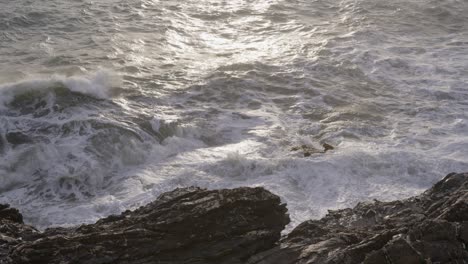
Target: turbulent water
[[105, 104]]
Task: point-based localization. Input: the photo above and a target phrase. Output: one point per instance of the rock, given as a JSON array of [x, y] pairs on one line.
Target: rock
[[13, 231], [306, 150], [429, 228], [243, 225], [309, 150], [396, 251], [10, 214], [463, 232], [327, 147], [189, 225]]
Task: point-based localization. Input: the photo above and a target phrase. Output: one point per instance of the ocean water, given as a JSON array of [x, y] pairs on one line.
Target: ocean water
[[105, 104]]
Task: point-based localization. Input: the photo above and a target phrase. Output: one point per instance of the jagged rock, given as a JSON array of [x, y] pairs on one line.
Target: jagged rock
[[429, 228], [243, 225], [10, 214], [189, 225], [309, 150], [13, 231], [395, 251]]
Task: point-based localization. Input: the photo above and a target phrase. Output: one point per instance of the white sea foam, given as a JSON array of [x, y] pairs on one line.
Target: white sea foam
[[98, 84]]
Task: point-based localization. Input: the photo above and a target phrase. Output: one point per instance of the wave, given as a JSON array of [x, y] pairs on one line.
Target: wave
[[98, 85]]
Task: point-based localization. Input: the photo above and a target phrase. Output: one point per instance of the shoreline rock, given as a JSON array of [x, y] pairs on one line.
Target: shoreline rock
[[189, 225], [428, 228], [243, 225]]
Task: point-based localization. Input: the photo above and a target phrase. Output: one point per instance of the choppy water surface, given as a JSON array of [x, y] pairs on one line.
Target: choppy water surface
[[106, 104]]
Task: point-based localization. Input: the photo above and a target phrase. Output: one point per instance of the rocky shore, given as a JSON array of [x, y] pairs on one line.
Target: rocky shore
[[243, 225]]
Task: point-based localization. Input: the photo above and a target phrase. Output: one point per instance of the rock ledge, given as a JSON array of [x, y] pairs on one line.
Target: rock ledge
[[243, 225]]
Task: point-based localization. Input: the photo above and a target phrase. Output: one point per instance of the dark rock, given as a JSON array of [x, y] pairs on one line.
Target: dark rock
[[13, 231], [327, 147], [309, 150], [464, 233], [397, 251], [429, 228], [10, 214], [243, 225], [189, 225]]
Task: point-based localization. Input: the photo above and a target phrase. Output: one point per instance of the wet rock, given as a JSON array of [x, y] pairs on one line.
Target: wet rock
[[309, 150], [189, 225], [429, 228], [397, 251], [327, 147], [243, 225], [13, 231], [10, 214]]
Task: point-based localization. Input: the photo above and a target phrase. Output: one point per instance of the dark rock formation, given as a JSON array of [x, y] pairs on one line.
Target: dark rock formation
[[243, 225], [429, 228], [189, 225], [13, 231]]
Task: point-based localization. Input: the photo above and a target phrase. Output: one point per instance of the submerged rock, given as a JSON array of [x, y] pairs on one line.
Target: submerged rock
[[327, 147], [309, 150], [243, 225]]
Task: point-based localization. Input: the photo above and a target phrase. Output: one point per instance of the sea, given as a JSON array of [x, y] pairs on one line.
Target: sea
[[106, 104]]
